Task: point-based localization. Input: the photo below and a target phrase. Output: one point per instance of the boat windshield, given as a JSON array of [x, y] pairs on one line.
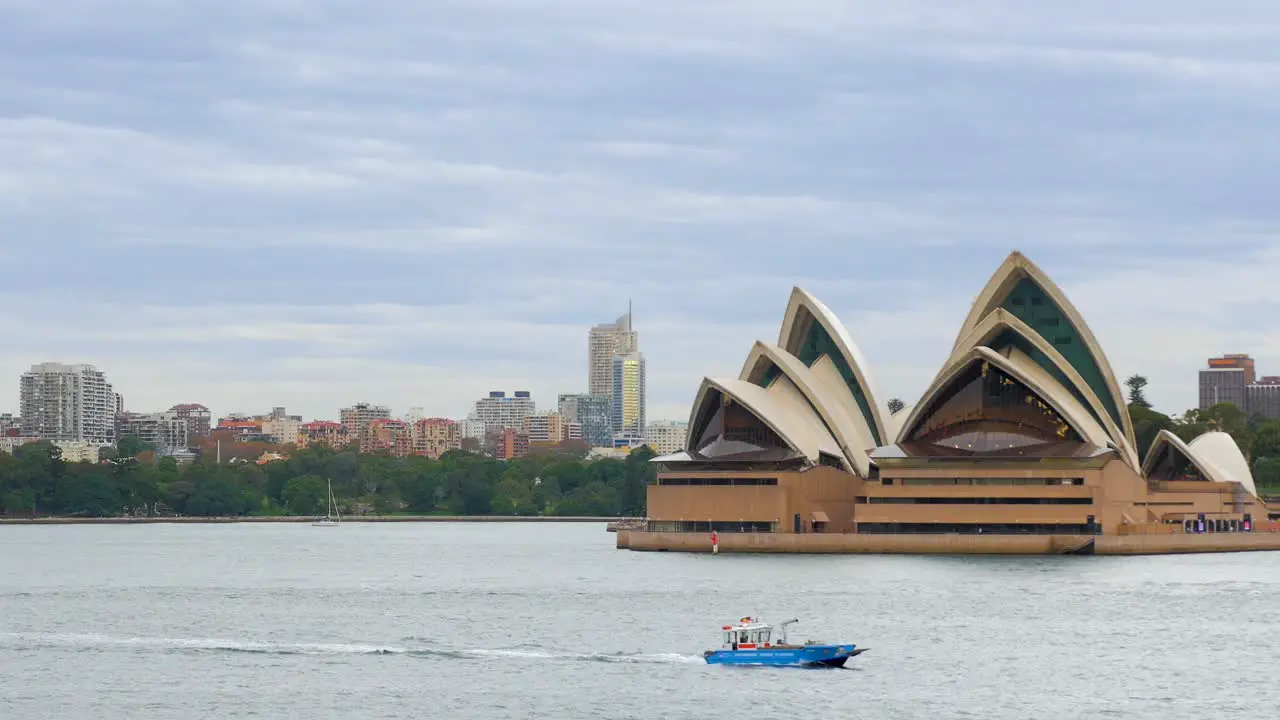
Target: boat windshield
[[745, 636]]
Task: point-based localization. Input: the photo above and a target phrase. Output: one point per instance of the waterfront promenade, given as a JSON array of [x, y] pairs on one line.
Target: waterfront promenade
[[299, 519], [1154, 539]]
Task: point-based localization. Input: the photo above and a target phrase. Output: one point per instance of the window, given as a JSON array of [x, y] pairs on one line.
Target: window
[[985, 410], [719, 481], [976, 528]]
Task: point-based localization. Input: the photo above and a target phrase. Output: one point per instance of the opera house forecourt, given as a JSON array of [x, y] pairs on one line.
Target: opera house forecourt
[[1022, 443]]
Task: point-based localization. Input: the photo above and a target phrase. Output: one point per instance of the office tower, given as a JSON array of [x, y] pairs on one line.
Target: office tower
[[591, 413], [627, 401], [603, 342], [1225, 380], [67, 402]]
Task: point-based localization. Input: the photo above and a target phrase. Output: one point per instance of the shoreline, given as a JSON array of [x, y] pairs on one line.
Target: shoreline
[[291, 519], [1263, 540]]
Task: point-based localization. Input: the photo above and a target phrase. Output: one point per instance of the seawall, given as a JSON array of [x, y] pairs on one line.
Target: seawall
[[352, 519], [950, 544]]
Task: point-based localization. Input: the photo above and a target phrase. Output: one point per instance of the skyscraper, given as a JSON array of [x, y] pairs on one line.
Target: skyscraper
[[627, 401], [67, 402], [603, 342]]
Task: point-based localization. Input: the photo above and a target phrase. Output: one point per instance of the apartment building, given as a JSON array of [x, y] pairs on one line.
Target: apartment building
[[198, 418], [666, 437], [434, 437], [165, 431], [357, 417], [322, 432], [67, 402], [499, 410], [386, 435]]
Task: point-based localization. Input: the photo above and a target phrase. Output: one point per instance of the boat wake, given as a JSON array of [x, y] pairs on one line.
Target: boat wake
[[413, 647]]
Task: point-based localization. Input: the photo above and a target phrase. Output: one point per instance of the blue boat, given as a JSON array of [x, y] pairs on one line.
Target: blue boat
[[751, 642]]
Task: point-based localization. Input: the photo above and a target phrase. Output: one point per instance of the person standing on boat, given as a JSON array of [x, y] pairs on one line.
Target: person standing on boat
[[715, 542]]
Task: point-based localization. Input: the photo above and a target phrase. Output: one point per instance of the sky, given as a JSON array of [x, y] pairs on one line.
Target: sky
[[255, 203]]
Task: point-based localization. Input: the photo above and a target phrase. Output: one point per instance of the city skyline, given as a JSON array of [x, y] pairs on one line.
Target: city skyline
[[286, 212]]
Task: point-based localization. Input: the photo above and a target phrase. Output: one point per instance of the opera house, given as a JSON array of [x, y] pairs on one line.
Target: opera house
[[1022, 443]]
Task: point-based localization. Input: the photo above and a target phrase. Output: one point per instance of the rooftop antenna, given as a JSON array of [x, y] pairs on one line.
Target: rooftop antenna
[[629, 325]]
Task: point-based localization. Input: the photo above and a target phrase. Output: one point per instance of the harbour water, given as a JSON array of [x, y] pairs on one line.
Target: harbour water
[[461, 620]]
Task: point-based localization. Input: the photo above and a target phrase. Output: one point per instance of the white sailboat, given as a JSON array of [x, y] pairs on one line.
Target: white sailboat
[[332, 517]]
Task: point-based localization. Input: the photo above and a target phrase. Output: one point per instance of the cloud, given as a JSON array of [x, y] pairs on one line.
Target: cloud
[[252, 204]]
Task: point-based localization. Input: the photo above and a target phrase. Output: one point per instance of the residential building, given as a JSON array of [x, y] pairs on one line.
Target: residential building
[[357, 417], [166, 431], [280, 426], [545, 427], [67, 402], [74, 451], [434, 437], [322, 432], [198, 418], [1022, 443], [591, 414], [243, 428], [10, 425], [471, 428], [603, 342], [627, 404], [512, 444], [666, 437], [499, 411], [571, 431], [386, 435], [10, 443]]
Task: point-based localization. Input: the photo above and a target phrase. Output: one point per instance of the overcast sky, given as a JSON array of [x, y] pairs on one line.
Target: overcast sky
[[248, 203]]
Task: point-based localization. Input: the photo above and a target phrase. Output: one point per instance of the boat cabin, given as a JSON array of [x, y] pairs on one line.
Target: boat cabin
[[751, 634]]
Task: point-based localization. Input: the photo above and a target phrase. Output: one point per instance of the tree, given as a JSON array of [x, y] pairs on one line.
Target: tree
[[513, 496], [1266, 440], [896, 405], [1137, 385], [1147, 424], [1266, 474], [130, 446], [35, 480], [638, 475], [306, 495]]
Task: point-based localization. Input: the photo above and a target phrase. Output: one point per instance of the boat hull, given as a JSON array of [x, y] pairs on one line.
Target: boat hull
[[807, 656]]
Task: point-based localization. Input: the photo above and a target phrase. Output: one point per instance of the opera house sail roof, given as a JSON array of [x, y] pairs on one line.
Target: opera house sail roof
[[1026, 378]]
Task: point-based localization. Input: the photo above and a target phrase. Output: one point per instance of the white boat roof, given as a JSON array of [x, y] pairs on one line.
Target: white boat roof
[[749, 626]]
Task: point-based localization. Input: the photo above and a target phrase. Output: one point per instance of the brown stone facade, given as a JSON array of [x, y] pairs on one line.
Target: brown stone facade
[[1036, 506]]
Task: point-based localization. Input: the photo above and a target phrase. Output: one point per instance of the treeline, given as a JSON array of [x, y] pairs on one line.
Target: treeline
[[1257, 436], [35, 481]]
